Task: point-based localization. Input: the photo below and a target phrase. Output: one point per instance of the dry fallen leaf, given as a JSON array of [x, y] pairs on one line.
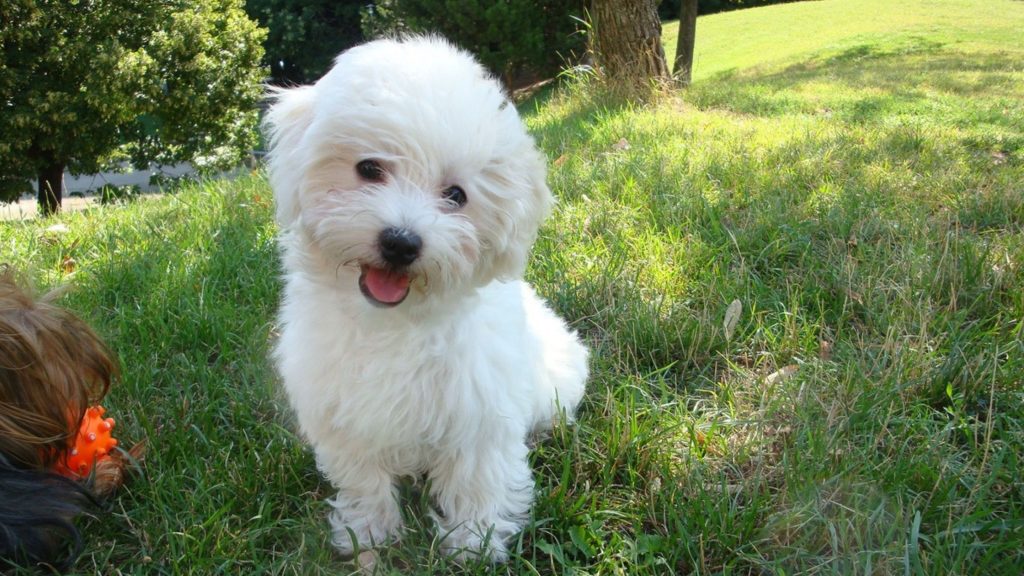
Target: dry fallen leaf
[[559, 161], [700, 438], [825, 350], [655, 486], [855, 296], [732, 316], [780, 375], [68, 264], [52, 235]]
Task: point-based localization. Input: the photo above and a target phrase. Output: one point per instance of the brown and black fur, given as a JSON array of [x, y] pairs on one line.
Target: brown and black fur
[[52, 367]]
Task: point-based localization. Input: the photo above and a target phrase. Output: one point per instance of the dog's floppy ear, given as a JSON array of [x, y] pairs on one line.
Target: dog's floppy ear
[[530, 213], [285, 124]]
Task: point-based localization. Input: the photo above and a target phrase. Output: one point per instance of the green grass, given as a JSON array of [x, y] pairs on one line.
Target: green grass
[[777, 35], [853, 175]]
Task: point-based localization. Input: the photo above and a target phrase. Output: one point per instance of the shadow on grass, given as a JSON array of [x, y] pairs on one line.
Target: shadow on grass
[[184, 288], [870, 202], [853, 194], [976, 93]]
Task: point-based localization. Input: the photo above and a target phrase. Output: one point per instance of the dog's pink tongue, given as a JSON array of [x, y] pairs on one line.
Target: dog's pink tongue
[[386, 286]]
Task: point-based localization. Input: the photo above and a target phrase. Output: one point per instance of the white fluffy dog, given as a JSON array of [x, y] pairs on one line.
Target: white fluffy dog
[[409, 194]]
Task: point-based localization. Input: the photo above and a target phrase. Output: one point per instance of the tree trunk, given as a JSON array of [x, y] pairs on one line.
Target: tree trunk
[[51, 188], [683, 67], [626, 42]]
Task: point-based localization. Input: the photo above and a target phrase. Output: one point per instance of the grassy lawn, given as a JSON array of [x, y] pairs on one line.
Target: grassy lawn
[[801, 279]]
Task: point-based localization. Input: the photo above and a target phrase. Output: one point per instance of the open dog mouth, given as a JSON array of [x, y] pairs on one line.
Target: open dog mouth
[[384, 287]]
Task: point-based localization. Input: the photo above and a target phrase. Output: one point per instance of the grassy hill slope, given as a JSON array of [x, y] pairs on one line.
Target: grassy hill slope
[[773, 35]]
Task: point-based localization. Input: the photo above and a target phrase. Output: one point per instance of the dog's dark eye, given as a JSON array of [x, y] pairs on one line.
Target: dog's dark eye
[[455, 195], [370, 170]]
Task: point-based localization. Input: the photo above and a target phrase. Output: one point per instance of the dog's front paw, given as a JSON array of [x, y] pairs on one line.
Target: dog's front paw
[[356, 530], [470, 542]]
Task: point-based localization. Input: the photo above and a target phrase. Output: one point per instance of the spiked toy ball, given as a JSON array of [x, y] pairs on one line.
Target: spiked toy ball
[[93, 443]]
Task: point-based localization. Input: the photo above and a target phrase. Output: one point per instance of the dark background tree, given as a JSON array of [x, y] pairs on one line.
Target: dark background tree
[[625, 38], [682, 70], [518, 40], [304, 36], [105, 80]]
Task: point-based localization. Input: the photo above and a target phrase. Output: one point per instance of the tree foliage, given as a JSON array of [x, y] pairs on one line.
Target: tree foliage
[[304, 36], [87, 82], [512, 38]]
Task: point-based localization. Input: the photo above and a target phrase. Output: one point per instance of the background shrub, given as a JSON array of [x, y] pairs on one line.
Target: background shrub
[[518, 40], [304, 36]]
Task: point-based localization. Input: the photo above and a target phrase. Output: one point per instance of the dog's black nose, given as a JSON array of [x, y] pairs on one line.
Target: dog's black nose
[[399, 247]]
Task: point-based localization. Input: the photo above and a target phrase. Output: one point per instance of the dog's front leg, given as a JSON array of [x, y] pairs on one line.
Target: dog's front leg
[[484, 492], [366, 511]]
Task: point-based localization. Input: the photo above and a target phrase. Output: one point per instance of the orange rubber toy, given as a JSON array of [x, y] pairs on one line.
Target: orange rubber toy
[[93, 443]]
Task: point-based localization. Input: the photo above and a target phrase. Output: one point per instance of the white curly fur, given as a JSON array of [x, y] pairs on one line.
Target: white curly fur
[[450, 382]]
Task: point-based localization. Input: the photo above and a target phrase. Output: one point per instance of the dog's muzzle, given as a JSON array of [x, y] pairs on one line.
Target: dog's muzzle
[[388, 286]]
